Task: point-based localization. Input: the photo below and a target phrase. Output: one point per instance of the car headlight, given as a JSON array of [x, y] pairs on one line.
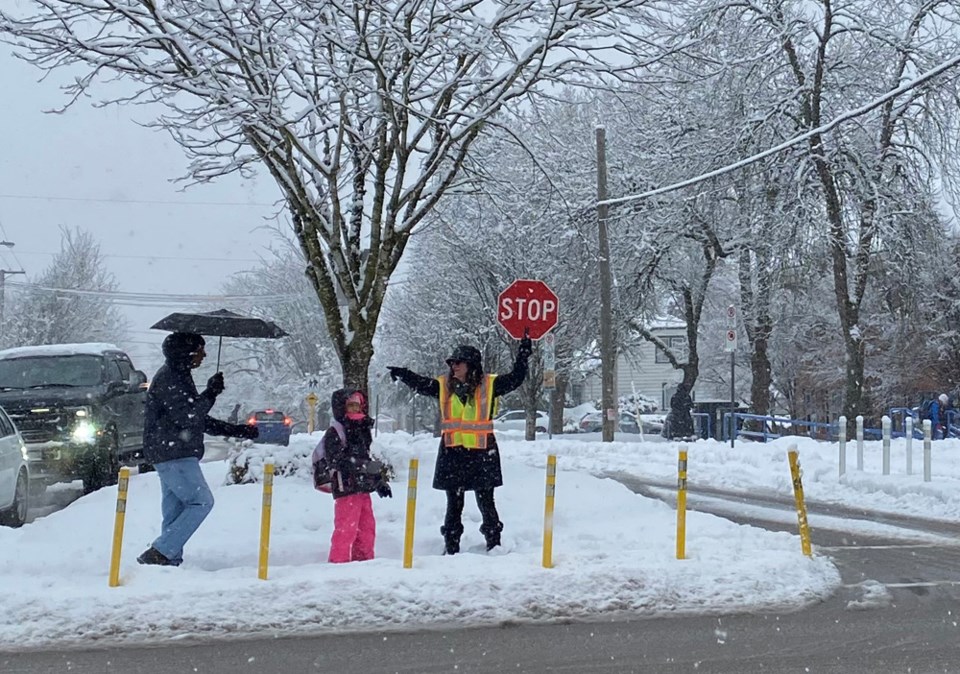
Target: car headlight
[[84, 432]]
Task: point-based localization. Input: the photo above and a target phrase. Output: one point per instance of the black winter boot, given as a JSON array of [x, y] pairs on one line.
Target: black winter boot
[[451, 539], [492, 534]]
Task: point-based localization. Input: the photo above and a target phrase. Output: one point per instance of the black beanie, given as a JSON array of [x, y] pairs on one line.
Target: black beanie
[[179, 347]]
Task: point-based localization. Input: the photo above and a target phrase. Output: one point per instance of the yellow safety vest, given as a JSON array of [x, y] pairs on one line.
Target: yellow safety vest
[[467, 425]]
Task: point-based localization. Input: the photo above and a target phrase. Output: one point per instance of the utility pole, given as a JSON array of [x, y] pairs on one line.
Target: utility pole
[[3, 283], [608, 350]]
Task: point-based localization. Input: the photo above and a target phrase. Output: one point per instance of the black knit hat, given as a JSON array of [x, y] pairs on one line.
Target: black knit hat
[[179, 347], [466, 354]]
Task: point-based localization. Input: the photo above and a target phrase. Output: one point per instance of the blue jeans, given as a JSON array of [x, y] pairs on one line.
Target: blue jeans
[[186, 502]]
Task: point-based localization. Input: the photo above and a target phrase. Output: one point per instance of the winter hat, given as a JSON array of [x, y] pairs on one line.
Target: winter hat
[[356, 397], [466, 354], [943, 399], [179, 347]]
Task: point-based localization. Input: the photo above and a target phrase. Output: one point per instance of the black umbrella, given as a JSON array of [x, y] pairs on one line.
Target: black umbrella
[[220, 323]]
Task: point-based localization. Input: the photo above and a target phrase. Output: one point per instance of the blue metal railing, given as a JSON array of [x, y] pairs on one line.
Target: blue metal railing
[[698, 421], [770, 431], [898, 418]]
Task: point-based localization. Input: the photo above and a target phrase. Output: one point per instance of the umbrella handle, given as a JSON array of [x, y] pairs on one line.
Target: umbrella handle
[[219, 346]]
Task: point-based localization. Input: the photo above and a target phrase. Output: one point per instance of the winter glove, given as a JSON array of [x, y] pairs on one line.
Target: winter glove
[[526, 348], [396, 373], [215, 384], [384, 491]]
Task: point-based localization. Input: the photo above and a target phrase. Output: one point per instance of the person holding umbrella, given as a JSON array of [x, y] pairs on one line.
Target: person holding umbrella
[[469, 459], [176, 417]]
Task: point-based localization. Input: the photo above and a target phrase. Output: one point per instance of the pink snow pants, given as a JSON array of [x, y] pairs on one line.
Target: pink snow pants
[[354, 529]]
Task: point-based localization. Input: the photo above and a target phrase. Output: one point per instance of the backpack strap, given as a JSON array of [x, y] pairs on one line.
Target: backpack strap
[[341, 431]]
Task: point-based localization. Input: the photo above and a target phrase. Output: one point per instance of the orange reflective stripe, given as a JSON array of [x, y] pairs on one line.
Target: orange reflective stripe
[[456, 429]]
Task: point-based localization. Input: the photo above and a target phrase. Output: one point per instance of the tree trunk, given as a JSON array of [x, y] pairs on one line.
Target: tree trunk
[[761, 371], [557, 397]]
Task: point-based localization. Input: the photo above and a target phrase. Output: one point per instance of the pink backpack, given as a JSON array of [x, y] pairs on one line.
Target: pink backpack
[[323, 472]]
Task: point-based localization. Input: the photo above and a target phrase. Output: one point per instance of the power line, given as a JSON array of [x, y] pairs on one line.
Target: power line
[[150, 202], [146, 299], [157, 257]]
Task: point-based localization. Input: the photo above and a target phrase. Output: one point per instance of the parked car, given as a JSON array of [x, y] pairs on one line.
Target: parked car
[[653, 423], [516, 420], [79, 409], [592, 422], [14, 474], [274, 426]]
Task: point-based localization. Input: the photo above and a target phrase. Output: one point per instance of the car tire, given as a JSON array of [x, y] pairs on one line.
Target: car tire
[[102, 469], [37, 488], [16, 515]]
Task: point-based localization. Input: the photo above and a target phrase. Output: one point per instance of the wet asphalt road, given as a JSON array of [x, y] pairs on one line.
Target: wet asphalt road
[[898, 611]]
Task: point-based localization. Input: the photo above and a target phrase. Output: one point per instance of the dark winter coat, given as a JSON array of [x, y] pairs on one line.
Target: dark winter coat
[[355, 470], [176, 415], [680, 421], [459, 467]]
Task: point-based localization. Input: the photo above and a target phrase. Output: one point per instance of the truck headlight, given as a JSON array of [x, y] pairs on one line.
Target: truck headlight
[[84, 432]]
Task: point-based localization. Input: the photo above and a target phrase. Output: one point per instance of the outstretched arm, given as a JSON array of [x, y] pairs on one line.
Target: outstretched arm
[[423, 385]]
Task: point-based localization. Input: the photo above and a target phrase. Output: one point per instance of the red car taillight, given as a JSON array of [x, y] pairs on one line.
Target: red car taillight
[[287, 421], [252, 421]]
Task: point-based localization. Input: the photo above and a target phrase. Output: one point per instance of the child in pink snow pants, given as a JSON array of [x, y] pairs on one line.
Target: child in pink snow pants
[[355, 475]]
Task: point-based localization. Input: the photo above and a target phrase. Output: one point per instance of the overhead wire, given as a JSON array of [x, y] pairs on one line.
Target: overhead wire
[[152, 299], [149, 202]]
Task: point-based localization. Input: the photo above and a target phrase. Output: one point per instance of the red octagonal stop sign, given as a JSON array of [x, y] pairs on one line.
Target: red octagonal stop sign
[[528, 305]]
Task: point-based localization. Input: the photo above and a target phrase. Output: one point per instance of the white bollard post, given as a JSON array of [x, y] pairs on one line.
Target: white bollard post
[[885, 426], [842, 438], [859, 442], [927, 437], [908, 429]]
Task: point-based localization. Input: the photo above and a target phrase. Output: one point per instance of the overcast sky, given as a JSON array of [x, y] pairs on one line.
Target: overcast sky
[[98, 170]]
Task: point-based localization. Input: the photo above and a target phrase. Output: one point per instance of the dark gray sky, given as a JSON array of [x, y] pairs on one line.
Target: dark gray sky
[[98, 170]]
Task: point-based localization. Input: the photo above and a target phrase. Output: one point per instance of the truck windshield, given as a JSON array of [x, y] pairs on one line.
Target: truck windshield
[[50, 371]]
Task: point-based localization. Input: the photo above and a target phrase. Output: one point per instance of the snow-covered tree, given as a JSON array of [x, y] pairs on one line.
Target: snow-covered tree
[[280, 372], [362, 111], [832, 58], [41, 313]]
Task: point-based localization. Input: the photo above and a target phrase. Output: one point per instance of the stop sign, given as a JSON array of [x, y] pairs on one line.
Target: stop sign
[[527, 305]]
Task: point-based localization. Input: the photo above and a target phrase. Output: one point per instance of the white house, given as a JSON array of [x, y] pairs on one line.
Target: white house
[[645, 370]]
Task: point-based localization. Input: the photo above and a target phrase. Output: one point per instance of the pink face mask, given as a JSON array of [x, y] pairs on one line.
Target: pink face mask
[[355, 407]]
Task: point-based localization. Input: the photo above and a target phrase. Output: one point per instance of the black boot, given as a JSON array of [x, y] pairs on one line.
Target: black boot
[[451, 539], [492, 534]]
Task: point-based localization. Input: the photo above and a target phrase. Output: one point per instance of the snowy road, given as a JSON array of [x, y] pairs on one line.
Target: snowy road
[[896, 612]]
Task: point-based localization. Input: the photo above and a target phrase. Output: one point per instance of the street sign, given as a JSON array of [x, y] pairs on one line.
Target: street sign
[[528, 305], [730, 341]]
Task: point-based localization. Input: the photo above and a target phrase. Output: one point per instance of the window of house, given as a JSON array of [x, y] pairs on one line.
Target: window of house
[[679, 347]]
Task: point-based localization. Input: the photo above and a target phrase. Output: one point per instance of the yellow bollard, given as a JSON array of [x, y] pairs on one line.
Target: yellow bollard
[[265, 521], [798, 498], [122, 485], [548, 511], [411, 513], [682, 503]]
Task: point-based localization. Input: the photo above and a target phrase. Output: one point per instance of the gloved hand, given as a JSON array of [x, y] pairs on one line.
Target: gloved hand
[[526, 347], [215, 384], [384, 491], [396, 372], [248, 432]]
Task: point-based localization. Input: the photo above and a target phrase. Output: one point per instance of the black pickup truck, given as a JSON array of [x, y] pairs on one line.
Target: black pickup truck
[[79, 408]]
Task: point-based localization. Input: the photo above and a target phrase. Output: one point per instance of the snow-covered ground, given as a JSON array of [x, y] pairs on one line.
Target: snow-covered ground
[[613, 550]]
